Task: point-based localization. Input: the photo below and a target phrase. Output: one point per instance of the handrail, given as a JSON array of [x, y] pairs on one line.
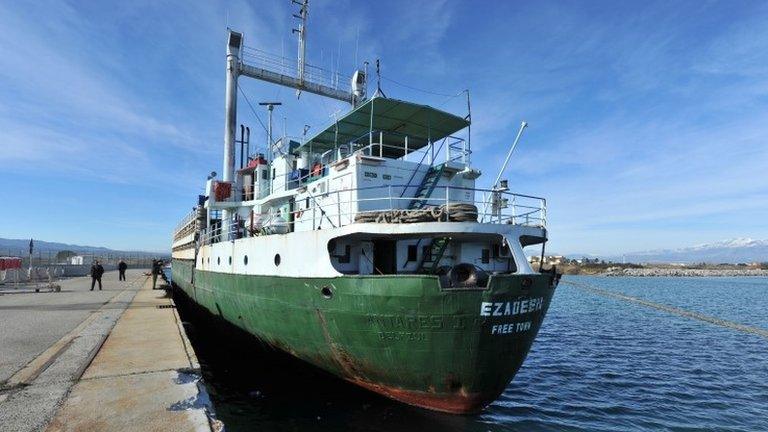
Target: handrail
[[413, 173], [185, 221], [519, 209]]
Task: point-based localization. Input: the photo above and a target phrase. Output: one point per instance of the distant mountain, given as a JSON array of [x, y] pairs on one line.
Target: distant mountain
[[738, 250], [21, 247]]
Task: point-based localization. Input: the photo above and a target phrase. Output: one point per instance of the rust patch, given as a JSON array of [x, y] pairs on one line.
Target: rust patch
[[457, 401], [460, 402], [344, 359], [453, 383]]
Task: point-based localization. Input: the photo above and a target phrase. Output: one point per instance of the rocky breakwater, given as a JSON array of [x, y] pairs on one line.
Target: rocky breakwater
[[683, 272]]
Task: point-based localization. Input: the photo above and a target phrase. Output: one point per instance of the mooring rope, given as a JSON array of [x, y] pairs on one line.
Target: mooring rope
[[673, 310]]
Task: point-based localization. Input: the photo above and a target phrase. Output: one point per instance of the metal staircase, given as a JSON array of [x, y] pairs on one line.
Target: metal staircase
[[430, 260], [428, 183]]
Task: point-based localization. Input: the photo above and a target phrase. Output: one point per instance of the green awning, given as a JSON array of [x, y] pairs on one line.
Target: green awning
[[395, 118]]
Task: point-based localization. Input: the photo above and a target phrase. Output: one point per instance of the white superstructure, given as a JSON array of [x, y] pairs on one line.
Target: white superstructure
[[388, 188]]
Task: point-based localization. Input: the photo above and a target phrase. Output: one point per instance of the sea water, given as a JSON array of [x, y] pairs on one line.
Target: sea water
[[599, 363]]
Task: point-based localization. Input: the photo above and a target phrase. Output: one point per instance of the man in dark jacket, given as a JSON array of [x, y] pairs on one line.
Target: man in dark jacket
[[96, 272], [121, 268], [157, 267]]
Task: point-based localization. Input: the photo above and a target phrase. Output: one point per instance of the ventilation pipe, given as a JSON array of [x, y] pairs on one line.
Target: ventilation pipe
[[234, 45]]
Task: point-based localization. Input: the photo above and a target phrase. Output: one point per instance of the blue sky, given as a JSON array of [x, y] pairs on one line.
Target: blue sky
[[648, 120]]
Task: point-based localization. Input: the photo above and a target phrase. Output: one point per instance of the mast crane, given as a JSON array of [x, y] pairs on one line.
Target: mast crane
[[237, 67]]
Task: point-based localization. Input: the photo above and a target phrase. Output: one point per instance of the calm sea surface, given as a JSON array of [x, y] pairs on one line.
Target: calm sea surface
[[598, 364]]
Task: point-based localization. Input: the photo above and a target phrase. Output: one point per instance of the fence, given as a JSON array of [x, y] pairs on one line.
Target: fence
[[49, 258]]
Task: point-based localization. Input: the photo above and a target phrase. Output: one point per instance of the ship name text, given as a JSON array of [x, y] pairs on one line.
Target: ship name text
[[519, 307]]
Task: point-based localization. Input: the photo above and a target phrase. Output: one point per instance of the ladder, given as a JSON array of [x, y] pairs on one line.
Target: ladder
[[428, 183], [430, 260]]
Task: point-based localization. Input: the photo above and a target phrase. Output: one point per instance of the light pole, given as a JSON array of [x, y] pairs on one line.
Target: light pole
[[270, 156]]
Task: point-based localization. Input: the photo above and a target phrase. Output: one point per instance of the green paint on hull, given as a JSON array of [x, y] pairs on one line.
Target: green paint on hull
[[399, 335]]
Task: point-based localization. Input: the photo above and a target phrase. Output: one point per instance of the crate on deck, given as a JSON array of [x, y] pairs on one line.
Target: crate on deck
[[222, 190]]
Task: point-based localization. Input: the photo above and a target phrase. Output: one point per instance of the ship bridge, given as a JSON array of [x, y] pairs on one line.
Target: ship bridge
[[388, 128]]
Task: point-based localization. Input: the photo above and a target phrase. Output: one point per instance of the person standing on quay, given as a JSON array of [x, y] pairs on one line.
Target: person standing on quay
[[121, 268], [157, 267], [96, 272]]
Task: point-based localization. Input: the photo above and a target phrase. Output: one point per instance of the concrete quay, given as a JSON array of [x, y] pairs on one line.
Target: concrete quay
[[81, 360]]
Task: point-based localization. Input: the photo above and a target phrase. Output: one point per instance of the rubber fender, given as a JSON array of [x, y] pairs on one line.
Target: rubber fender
[[463, 275]]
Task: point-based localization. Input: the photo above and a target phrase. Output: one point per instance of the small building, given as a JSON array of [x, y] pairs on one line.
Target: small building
[[76, 260], [554, 260], [551, 260]]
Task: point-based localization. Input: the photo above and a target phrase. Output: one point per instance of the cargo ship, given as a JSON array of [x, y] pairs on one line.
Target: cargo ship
[[366, 249]]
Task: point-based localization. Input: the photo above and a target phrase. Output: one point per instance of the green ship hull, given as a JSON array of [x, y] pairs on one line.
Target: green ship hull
[[398, 335]]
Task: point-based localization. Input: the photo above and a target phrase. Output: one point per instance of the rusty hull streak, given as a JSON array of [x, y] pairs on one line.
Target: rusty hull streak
[[345, 361], [456, 403], [459, 402]]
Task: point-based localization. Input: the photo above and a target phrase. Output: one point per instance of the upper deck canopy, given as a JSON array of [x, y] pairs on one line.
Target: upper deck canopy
[[396, 118]]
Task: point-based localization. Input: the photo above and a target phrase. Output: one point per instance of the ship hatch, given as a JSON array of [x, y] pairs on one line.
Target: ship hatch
[[385, 256]]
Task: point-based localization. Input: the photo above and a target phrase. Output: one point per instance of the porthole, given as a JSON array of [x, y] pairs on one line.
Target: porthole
[[218, 260], [326, 292], [230, 260], [277, 259], [245, 260]]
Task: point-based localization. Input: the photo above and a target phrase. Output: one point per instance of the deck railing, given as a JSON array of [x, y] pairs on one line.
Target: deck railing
[[185, 221], [383, 204], [341, 207]]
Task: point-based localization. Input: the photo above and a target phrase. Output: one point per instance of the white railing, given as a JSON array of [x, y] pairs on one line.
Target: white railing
[[456, 150], [185, 221], [216, 234], [288, 66], [385, 205], [504, 208]]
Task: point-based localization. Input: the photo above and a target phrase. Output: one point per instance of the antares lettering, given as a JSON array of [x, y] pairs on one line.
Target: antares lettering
[[511, 308]]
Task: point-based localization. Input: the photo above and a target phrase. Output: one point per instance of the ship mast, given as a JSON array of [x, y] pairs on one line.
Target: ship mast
[[237, 67], [302, 31], [300, 81]]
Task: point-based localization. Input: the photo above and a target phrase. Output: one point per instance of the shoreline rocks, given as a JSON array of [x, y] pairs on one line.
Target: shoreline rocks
[[683, 272]]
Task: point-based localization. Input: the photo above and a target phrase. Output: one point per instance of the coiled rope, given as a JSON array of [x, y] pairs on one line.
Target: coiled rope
[[452, 212]]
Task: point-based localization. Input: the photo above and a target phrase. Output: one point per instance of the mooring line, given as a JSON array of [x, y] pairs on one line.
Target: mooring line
[[673, 310]]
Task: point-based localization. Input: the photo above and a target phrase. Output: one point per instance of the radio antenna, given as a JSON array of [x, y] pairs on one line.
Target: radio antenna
[[379, 92], [302, 31]]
